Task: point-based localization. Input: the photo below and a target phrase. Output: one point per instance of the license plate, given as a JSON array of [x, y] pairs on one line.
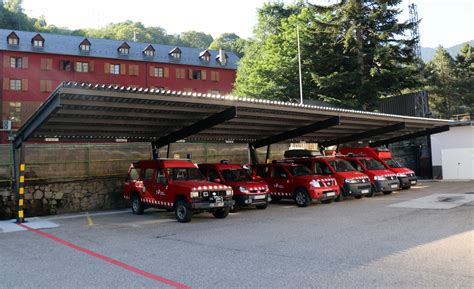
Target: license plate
[[330, 194], [394, 186], [220, 204], [365, 191], [218, 199], [259, 197], [413, 182]]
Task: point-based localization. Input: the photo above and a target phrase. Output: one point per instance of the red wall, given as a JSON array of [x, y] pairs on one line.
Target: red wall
[[33, 97]]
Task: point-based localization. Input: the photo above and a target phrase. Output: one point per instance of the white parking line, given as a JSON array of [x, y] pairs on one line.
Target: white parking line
[[82, 215]]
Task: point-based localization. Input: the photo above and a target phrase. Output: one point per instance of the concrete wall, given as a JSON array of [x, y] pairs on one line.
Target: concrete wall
[[65, 197], [458, 137]]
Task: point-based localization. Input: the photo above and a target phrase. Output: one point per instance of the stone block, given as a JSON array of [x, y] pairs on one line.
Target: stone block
[[38, 195]]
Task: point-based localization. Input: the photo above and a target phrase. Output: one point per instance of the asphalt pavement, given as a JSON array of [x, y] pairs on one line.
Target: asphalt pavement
[[367, 243]]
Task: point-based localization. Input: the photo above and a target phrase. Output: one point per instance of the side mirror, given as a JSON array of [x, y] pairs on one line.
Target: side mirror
[[283, 176], [143, 189], [217, 180]]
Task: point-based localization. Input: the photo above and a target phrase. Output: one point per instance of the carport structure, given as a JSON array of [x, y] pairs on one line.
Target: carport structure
[[87, 112]]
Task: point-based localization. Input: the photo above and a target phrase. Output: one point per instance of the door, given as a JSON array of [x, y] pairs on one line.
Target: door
[[458, 164], [161, 193], [281, 180], [148, 185]]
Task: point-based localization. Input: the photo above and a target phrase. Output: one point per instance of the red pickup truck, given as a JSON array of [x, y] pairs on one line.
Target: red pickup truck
[[247, 192], [382, 179], [406, 176], [176, 185], [292, 181], [351, 182]]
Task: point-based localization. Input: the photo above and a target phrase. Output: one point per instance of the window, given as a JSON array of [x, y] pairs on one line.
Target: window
[[159, 72], [299, 170], [13, 39], [175, 53], [16, 62], [15, 111], [133, 70], [46, 64], [161, 178], [133, 176], [196, 74], [180, 73], [65, 65], [214, 75], [85, 45], [37, 41], [15, 84], [205, 56], [279, 172], [46, 85], [114, 68], [124, 48], [82, 66], [148, 174], [213, 175], [357, 166], [321, 168], [261, 171], [149, 51]]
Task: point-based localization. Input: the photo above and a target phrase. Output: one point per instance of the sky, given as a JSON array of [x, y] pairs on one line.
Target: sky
[[444, 22]]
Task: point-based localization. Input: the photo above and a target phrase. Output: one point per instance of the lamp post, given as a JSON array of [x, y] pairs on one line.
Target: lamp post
[[299, 60]]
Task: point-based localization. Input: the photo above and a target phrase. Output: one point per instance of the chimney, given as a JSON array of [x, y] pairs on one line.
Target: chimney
[[222, 57]]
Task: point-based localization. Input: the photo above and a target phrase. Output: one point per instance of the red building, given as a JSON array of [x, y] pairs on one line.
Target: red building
[[34, 64]]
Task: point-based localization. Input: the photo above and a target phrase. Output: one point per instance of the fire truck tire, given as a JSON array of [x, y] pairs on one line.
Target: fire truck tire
[[235, 208], [221, 213], [183, 212], [261, 207], [358, 197], [340, 197], [137, 206], [302, 198], [372, 192]]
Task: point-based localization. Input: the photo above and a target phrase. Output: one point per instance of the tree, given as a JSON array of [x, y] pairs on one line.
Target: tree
[[231, 42], [464, 84], [269, 68], [441, 79], [14, 6], [361, 52], [195, 39]]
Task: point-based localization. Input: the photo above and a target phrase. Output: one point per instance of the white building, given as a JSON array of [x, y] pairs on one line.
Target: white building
[[453, 152]]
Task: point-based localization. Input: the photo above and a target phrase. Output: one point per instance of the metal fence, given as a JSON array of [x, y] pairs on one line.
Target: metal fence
[[64, 162]]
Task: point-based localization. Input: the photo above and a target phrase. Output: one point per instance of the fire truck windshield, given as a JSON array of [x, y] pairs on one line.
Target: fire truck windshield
[[185, 174], [392, 163]]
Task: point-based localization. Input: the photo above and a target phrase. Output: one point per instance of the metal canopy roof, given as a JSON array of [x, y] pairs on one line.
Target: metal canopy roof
[[84, 112]]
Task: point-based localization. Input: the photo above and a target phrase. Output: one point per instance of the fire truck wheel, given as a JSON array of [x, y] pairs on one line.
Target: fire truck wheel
[[221, 213], [387, 193], [234, 208], [261, 207], [327, 201], [183, 212], [137, 205], [302, 198], [372, 191], [358, 197], [340, 197]]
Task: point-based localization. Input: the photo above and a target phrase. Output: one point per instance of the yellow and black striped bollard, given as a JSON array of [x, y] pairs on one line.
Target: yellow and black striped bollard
[[21, 195]]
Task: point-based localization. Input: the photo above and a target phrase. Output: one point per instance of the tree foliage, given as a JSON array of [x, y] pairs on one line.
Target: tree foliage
[[230, 42], [352, 52], [451, 83]]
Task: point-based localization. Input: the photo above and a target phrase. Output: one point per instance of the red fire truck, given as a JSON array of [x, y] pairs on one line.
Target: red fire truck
[[176, 185], [287, 180], [247, 192], [406, 176]]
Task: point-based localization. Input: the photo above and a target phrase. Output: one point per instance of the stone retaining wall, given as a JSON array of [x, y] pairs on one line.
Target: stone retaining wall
[[65, 197]]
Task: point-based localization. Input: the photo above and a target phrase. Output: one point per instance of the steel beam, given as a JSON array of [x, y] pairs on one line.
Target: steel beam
[[364, 135], [297, 132], [425, 132], [197, 127], [253, 155]]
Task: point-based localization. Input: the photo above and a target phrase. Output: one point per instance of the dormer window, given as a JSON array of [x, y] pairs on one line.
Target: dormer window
[[222, 57], [13, 39], [149, 51], [37, 41], [124, 48], [205, 56], [85, 45], [175, 53]]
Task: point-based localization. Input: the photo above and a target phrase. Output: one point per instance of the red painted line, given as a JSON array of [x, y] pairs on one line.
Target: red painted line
[[108, 259]]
